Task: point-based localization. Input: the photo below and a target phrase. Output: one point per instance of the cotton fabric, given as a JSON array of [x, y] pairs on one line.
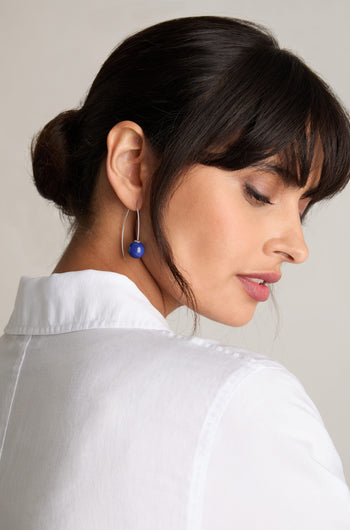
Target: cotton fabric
[[111, 421]]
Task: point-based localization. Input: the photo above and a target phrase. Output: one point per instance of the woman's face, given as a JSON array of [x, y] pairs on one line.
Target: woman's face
[[221, 228]]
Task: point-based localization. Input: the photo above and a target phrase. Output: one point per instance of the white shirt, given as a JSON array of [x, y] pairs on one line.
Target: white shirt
[[110, 421]]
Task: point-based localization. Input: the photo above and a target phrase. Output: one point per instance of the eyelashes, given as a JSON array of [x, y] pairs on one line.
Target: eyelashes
[[251, 192], [262, 199]]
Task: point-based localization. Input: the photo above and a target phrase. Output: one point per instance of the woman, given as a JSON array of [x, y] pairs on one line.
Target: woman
[[186, 173]]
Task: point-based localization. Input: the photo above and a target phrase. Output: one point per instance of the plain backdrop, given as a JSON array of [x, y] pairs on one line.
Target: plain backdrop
[[50, 53]]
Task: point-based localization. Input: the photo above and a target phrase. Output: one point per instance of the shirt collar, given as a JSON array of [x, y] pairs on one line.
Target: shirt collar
[[87, 299]]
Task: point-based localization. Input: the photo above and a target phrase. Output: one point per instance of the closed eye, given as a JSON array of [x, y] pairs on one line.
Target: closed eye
[[253, 193], [262, 199]]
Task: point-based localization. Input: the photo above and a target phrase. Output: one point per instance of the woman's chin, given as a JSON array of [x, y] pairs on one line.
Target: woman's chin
[[233, 318]]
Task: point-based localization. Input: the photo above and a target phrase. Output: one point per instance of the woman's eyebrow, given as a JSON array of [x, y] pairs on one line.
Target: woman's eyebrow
[[269, 167], [277, 169]]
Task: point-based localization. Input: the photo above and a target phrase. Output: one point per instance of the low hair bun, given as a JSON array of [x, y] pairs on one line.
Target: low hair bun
[[52, 152]]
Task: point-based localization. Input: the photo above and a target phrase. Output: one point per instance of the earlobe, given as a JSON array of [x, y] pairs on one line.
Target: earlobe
[[125, 146]]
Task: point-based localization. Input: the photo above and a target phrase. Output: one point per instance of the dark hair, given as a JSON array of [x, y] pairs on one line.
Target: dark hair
[[211, 90]]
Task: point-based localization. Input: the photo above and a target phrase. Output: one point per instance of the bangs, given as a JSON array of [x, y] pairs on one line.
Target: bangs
[[274, 107]]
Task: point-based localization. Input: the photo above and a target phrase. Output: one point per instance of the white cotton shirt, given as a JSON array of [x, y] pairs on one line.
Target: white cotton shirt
[[110, 421]]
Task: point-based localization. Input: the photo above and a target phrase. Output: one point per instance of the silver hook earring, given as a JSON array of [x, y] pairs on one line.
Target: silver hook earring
[[136, 248]]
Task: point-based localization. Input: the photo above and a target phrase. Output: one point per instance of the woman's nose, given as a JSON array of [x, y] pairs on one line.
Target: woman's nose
[[289, 244]]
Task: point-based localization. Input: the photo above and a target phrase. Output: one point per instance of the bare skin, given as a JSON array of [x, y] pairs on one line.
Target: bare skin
[[215, 228], [123, 177]]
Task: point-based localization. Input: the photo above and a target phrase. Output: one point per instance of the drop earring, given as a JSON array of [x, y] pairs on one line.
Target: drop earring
[[136, 248]]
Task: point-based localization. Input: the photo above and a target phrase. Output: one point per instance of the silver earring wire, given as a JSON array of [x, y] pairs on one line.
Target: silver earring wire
[[138, 225], [125, 218], [123, 229]]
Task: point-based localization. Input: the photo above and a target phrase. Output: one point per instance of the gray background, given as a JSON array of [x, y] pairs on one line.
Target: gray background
[[50, 53]]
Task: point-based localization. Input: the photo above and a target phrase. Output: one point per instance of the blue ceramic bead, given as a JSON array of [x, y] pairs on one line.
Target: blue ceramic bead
[[136, 249]]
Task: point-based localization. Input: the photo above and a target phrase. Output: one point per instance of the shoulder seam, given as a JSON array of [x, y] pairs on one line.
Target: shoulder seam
[[206, 440]]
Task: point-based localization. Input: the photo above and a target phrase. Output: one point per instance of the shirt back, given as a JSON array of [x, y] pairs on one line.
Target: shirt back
[[110, 420]]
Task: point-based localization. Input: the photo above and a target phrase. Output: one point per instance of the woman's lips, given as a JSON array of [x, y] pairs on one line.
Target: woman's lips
[[268, 277], [255, 290]]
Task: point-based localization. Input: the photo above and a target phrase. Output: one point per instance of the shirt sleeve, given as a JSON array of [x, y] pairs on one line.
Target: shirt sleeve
[[273, 464]]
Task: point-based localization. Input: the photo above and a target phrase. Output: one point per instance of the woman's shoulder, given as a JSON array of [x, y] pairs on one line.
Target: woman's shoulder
[[164, 353], [166, 350], [206, 354], [200, 369], [271, 449]]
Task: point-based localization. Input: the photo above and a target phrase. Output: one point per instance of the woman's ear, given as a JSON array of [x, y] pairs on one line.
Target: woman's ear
[[127, 163]]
